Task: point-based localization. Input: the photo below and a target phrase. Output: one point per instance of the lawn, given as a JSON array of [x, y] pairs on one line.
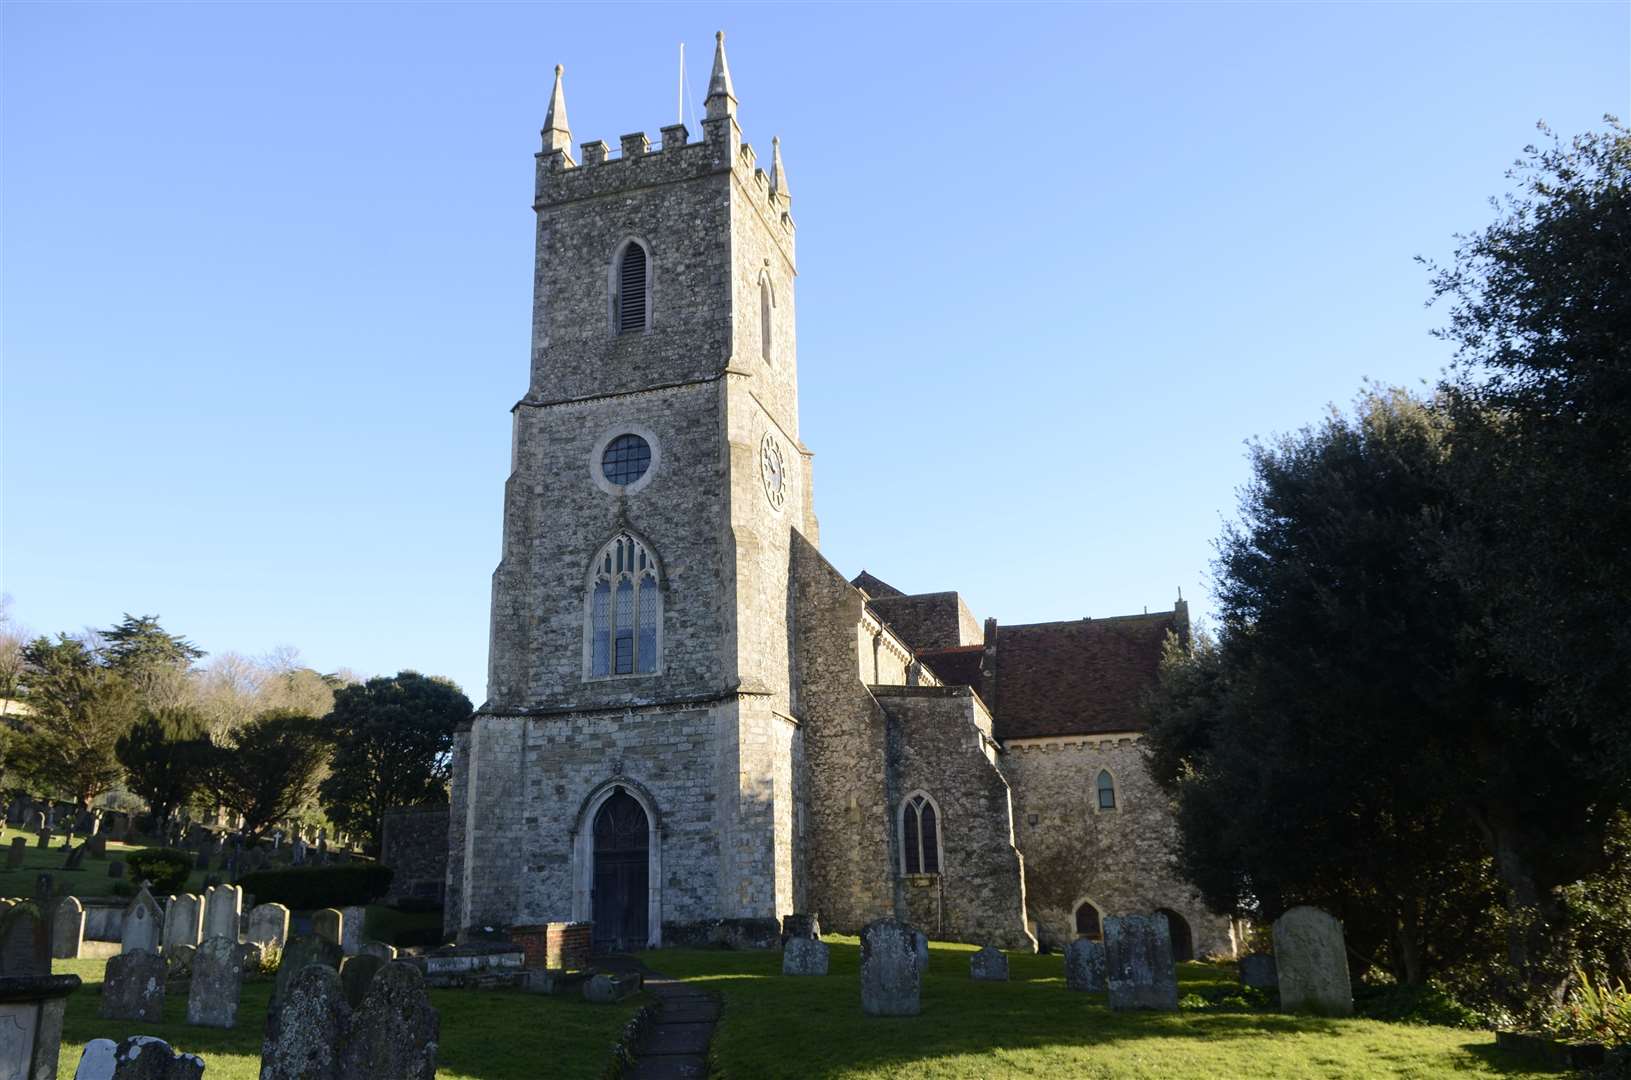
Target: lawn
[[486, 1035], [91, 880], [776, 1026]]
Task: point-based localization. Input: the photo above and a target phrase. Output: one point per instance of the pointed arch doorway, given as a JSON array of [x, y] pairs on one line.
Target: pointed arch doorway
[[620, 904]]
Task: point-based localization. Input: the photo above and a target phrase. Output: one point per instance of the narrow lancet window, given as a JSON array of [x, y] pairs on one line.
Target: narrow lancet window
[[919, 835], [1107, 790], [631, 290]]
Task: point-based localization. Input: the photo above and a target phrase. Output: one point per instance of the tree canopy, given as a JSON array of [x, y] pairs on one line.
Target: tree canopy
[[80, 709], [269, 769]]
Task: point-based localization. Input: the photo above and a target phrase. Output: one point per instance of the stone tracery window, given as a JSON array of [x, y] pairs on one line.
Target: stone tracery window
[[919, 834], [625, 610]]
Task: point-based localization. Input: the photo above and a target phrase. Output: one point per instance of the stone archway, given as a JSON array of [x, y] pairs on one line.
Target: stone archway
[[1183, 942], [617, 867]]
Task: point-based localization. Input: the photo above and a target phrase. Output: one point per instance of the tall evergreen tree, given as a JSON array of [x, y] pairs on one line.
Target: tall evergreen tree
[[80, 709], [166, 755], [270, 768]]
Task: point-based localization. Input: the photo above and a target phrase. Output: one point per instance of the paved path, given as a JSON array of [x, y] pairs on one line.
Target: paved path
[[675, 1044]]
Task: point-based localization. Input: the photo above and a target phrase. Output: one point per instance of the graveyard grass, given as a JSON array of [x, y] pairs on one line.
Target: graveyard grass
[[90, 880], [1031, 1026], [486, 1034]]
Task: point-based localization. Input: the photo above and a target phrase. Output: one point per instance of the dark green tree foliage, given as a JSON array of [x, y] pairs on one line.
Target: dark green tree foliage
[[166, 755], [80, 709], [394, 743], [270, 769], [152, 661]]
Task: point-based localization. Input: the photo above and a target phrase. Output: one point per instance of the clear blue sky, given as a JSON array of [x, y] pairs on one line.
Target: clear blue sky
[[267, 274]]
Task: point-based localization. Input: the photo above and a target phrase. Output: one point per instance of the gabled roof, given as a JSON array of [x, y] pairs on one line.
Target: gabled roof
[[1080, 677], [873, 587]]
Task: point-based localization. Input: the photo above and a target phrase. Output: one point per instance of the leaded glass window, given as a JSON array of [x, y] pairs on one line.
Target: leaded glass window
[[1107, 790], [626, 459], [920, 835], [625, 610]]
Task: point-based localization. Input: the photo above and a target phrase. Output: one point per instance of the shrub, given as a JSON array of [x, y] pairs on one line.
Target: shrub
[[1599, 1011], [1403, 1004], [166, 868], [308, 887]]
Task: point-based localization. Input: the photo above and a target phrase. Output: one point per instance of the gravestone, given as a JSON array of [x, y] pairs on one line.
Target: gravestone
[[44, 840], [1257, 971], [1084, 966], [269, 924], [304, 1034], [251, 956], [1138, 966], [144, 924], [97, 846], [299, 851], [799, 925], [356, 972], [1311, 960], [75, 859], [139, 1057], [38, 822], [302, 951], [14, 854], [212, 1000], [329, 925], [25, 941], [891, 979], [351, 929], [133, 987], [804, 956], [377, 948], [178, 961], [183, 920], [116, 869], [222, 906], [988, 965], [67, 928]]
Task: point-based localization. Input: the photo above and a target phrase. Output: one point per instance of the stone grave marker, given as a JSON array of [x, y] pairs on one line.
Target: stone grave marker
[[891, 980], [329, 925], [988, 965], [183, 920], [804, 956], [38, 822], [14, 854], [75, 859], [178, 961], [1139, 970], [222, 906], [351, 929], [97, 846], [377, 948], [800, 925], [144, 924], [1084, 966], [140, 1057], [302, 951], [356, 973], [44, 839], [133, 987], [304, 1034], [1257, 971], [25, 941], [212, 1000], [1311, 960], [269, 924], [67, 928]]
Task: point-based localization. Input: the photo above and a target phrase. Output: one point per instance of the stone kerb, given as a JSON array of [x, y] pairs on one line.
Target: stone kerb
[[144, 923], [223, 905], [1311, 960], [1084, 966], [133, 987], [804, 956], [217, 979], [139, 1057], [988, 965], [269, 924], [1139, 970], [891, 978], [183, 920], [67, 928]]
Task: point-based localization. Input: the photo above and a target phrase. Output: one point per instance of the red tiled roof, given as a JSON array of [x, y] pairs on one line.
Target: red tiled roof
[[1076, 678]]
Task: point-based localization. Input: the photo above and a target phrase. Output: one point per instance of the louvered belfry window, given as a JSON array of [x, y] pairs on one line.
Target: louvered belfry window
[[631, 289]]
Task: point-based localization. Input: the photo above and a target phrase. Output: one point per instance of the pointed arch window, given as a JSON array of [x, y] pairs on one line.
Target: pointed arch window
[[625, 610], [631, 288], [767, 305], [1087, 921], [920, 835], [1106, 790]]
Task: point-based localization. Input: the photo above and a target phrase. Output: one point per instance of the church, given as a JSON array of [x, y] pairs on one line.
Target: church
[[695, 725]]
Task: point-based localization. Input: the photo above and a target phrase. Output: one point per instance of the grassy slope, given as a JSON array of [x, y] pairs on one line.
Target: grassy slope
[[91, 880], [1032, 1026], [486, 1035]]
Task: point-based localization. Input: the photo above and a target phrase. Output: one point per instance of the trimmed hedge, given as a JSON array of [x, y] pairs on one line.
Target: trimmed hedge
[[307, 887], [167, 868]]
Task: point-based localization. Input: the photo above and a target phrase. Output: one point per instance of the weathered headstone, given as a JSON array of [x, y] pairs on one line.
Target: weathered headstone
[[144, 924], [1257, 971], [1084, 966], [304, 1034], [269, 924], [14, 854], [39, 822], [1139, 970], [75, 859], [351, 929], [251, 956], [222, 907], [212, 1000], [25, 941], [97, 846], [1311, 960], [178, 961], [356, 972], [988, 965], [377, 948], [804, 956], [183, 920], [891, 980], [44, 839], [329, 924], [133, 987], [67, 928], [302, 951], [139, 1057], [800, 925]]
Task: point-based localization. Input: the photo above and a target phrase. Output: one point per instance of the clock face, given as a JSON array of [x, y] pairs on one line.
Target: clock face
[[773, 470]]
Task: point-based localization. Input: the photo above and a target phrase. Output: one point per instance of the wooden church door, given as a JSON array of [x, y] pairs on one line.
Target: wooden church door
[[622, 874]]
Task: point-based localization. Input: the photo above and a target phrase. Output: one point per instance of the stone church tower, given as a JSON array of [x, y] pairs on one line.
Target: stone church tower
[[635, 761]]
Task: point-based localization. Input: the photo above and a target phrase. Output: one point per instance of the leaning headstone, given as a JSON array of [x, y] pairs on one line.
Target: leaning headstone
[[351, 929], [304, 1034], [301, 952], [183, 920], [1084, 966], [212, 1000], [133, 987], [988, 965], [222, 907], [25, 941], [329, 925], [1311, 960], [140, 1057], [143, 924], [395, 1032], [1138, 965], [1257, 971], [377, 948], [269, 924], [356, 972], [14, 854], [67, 929], [891, 979], [804, 956]]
